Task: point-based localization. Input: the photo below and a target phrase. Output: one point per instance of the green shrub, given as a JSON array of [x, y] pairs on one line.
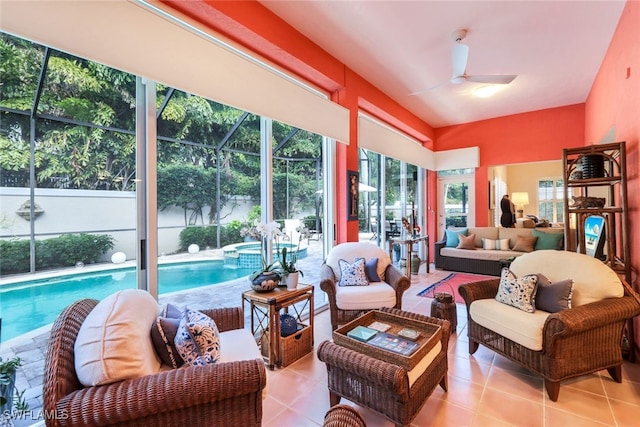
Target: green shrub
[[63, 251], [206, 236]]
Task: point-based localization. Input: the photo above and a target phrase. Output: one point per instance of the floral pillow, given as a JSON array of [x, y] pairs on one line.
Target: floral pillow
[[352, 274], [197, 339], [517, 292]]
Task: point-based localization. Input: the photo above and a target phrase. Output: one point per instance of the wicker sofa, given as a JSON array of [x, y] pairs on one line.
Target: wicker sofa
[[484, 261], [571, 342], [219, 394]]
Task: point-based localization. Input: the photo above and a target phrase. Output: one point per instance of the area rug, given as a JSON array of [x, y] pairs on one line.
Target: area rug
[[450, 284]]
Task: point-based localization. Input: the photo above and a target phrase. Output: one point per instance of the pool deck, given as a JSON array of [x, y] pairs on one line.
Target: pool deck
[[32, 347]]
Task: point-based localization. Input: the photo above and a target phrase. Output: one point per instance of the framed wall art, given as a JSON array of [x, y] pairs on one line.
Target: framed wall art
[[352, 195]]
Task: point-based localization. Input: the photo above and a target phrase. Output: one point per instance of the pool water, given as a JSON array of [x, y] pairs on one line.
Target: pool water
[[30, 305]]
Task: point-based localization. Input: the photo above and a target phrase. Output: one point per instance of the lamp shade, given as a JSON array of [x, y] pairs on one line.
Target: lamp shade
[[520, 199]]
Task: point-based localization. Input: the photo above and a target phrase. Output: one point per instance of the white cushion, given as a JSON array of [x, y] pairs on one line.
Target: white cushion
[[114, 342], [376, 295], [510, 322], [238, 344], [592, 279], [349, 251], [424, 363]]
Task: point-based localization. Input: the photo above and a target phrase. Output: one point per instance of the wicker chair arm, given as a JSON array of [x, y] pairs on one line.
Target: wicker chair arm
[[384, 374], [590, 316], [328, 280], [227, 318], [140, 398], [398, 281], [483, 289]]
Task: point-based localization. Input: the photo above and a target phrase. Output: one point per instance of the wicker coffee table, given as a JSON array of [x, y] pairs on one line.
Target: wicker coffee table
[[358, 373]]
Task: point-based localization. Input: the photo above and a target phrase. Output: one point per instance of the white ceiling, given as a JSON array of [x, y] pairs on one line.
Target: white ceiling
[[555, 48]]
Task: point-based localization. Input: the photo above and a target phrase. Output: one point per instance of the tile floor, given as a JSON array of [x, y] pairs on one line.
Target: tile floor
[[484, 390]]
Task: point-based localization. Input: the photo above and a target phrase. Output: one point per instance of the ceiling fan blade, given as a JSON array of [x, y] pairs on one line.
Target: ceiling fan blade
[[459, 56], [495, 79], [420, 92]]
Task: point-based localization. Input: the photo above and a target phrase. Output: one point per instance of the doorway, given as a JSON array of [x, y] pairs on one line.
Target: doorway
[[456, 201]]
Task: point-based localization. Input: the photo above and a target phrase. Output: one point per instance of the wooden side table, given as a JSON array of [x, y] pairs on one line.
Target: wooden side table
[[409, 242], [265, 315]]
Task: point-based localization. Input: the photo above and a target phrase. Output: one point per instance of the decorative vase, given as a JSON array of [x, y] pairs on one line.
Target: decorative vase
[[265, 281], [415, 263], [291, 279]]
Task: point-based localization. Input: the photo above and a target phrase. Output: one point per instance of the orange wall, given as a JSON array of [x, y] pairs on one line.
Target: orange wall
[[519, 138], [612, 113]]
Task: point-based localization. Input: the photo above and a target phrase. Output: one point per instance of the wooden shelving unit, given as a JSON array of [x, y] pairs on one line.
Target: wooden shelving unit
[[609, 183], [608, 180]]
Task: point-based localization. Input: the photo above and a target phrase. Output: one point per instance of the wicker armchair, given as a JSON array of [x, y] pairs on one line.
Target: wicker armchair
[[394, 281], [222, 394], [576, 341], [343, 416]]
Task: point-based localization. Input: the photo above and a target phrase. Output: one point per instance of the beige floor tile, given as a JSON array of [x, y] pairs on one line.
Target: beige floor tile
[[511, 409], [557, 418], [626, 414], [469, 369], [516, 383], [583, 404]]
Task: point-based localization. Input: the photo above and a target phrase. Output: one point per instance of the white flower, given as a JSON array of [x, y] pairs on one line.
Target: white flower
[[269, 230]]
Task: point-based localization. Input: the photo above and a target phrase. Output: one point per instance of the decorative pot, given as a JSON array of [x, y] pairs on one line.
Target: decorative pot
[[265, 281], [415, 264], [291, 279]]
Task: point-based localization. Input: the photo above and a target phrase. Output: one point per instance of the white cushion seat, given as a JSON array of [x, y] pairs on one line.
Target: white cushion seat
[[510, 322], [378, 294]]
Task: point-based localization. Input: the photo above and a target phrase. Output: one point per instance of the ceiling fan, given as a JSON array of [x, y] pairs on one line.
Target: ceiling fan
[[459, 56]]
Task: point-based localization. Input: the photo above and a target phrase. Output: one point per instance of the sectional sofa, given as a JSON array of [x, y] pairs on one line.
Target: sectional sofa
[[492, 248]]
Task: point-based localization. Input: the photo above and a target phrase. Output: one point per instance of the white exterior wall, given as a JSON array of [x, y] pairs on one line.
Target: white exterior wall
[[99, 212]]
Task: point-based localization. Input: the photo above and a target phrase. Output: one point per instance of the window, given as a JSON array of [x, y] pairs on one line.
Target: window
[[551, 199]]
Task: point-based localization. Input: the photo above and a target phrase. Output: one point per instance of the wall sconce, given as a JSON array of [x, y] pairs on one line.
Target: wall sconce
[[520, 199]]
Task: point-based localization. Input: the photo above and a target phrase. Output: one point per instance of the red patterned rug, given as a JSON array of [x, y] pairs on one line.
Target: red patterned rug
[[450, 284]]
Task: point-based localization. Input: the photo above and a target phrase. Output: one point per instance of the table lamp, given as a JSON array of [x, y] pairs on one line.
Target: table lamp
[[520, 199]]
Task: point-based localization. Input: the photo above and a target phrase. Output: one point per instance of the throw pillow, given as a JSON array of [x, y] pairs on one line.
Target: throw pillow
[[113, 343], [553, 297], [163, 335], [452, 237], [525, 244], [352, 274], [197, 339], [489, 244], [548, 240], [502, 244], [467, 242], [517, 292], [371, 270]]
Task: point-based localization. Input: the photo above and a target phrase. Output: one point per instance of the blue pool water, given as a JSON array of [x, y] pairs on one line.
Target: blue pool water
[[30, 305]]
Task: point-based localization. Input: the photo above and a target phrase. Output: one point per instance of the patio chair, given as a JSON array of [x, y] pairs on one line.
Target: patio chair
[[348, 302], [343, 416], [218, 394]]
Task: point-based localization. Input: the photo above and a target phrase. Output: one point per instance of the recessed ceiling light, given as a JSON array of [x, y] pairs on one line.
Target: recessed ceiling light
[[485, 91]]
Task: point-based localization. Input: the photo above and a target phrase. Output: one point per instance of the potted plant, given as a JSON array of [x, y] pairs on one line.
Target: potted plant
[[9, 394], [288, 261], [268, 277]]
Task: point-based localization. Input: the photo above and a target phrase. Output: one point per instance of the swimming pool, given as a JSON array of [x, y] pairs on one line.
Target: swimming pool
[[29, 305]]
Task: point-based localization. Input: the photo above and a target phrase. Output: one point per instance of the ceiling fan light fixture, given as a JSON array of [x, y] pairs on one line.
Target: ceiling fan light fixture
[[485, 91]]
